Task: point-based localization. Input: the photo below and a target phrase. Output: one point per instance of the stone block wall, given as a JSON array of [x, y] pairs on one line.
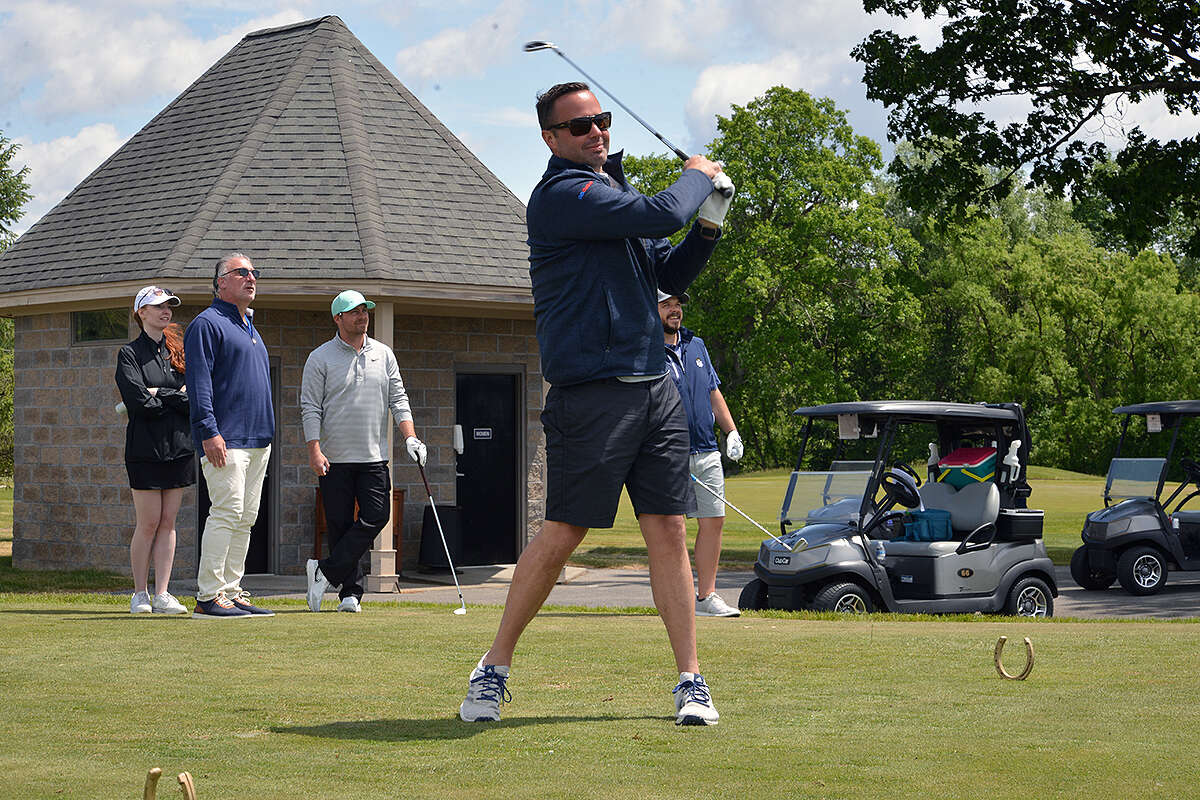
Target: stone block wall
[[72, 503]]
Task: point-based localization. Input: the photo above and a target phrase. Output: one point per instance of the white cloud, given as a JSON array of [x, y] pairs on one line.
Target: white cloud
[[672, 30], [57, 166], [510, 118], [468, 51], [719, 86], [88, 58]]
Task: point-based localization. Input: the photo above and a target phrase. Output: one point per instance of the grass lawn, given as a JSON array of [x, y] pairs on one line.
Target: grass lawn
[[364, 706], [1066, 497]]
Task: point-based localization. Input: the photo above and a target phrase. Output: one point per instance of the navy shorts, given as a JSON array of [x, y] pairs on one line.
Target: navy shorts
[[605, 434]]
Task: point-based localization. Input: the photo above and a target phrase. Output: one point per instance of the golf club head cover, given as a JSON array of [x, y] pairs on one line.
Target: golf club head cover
[[715, 206], [733, 446], [416, 449]]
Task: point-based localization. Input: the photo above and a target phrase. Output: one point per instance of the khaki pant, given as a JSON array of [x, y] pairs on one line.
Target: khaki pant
[[235, 490]]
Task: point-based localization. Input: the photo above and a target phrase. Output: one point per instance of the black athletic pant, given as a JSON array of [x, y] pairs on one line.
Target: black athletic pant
[[349, 538]]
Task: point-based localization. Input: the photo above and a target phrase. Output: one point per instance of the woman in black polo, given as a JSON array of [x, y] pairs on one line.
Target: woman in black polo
[[158, 444]]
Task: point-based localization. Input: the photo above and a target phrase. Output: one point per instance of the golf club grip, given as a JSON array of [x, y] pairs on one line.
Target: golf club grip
[[684, 157]]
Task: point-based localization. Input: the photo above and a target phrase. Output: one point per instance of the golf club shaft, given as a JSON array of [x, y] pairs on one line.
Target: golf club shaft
[[682, 155], [437, 520], [709, 489]]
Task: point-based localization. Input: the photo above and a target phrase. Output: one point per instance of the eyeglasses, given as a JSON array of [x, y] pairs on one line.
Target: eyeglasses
[[243, 273], [582, 126]]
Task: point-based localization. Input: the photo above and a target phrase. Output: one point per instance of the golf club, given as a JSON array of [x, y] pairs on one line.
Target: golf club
[[463, 608], [531, 47], [708, 489]]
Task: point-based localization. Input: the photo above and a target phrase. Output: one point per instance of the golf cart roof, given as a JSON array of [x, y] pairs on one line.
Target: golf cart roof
[[912, 410], [1189, 408]]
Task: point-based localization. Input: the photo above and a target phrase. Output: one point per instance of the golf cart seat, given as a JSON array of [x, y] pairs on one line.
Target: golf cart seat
[[971, 506]]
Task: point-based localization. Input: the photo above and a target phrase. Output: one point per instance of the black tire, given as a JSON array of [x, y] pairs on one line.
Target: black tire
[[843, 597], [753, 596], [1085, 576], [1030, 597], [1142, 570]]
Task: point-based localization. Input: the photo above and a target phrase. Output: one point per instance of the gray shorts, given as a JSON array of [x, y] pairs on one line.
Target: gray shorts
[[607, 434], [707, 468]]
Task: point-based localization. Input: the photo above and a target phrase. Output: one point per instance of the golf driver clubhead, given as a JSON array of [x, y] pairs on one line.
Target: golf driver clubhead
[[462, 609], [533, 47]]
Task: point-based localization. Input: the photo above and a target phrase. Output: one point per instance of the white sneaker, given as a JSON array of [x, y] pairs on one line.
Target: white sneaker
[[485, 694], [693, 703], [316, 584], [140, 603], [166, 603], [714, 606], [349, 604]]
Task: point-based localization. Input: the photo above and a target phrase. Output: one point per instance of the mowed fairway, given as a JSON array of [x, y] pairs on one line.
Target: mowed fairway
[[1066, 497], [342, 706]]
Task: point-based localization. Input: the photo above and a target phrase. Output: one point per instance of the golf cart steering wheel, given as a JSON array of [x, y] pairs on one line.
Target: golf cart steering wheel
[[899, 492], [900, 465], [1191, 470]]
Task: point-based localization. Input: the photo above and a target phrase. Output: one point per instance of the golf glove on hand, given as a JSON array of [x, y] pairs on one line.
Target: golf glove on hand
[[733, 446], [714, 207], [416, 449]]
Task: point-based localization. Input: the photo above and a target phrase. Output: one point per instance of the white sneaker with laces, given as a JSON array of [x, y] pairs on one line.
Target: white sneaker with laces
[[317, 584], [487, 690], [715, 606], [349, 604], [693, 703], [140, 603], [166, 603]]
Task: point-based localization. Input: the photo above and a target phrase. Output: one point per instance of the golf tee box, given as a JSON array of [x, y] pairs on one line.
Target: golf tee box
[[967, 465], [1015, 524]]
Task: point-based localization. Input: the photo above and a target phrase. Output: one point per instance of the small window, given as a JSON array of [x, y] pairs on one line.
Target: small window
[[108, 325]]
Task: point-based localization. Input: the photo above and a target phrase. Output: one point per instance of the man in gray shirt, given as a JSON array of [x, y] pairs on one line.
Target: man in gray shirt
[[350, 384]]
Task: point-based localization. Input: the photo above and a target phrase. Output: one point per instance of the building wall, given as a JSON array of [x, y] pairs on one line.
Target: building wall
[[72, 504]]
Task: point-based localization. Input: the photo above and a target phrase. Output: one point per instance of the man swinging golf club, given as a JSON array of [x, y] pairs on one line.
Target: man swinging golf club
[[612, 416]]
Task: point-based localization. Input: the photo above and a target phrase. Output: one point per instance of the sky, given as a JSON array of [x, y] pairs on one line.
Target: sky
[[79, 77]]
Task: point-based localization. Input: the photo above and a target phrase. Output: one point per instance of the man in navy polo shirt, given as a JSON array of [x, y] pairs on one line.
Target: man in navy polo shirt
[[233, 422], [699, 388]]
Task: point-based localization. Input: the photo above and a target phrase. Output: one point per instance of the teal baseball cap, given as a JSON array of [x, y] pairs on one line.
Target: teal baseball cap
[[347, 300]]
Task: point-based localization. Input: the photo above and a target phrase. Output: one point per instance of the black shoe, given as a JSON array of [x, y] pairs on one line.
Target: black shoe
[[220, 607], [240, 601]]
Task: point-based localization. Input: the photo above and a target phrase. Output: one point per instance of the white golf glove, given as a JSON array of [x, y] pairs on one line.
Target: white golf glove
[[416, 449], [714, 207], [733, 446]]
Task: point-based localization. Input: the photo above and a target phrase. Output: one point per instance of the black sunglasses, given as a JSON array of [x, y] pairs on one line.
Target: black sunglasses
[[243, 272], [582, 126]]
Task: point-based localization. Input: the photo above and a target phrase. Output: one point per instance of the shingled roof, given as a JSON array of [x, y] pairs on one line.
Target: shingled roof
[[300, 148]]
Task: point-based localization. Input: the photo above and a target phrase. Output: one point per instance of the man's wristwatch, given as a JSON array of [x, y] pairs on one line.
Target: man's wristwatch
[[711, 232]]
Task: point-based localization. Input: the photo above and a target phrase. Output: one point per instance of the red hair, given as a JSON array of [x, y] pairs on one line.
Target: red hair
[[173, 336]]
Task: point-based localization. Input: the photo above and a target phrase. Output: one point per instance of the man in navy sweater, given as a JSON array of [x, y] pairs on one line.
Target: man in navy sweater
[[229, 383], [612, 416]]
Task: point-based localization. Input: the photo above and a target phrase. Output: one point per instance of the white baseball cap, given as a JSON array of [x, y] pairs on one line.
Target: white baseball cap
[[154, 296], [683, 296]]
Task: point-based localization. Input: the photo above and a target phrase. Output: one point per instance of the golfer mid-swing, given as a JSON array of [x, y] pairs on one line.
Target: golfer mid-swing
[[612, 416]]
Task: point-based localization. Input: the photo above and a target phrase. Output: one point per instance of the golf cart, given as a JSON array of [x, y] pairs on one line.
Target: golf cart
[[961, 541], [1137, 538]]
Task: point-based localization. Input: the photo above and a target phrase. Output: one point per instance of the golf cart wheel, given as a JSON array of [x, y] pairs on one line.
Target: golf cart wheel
[[753, 596], [849, 598], [1142, 570], [1030, 597], [1090, 579]]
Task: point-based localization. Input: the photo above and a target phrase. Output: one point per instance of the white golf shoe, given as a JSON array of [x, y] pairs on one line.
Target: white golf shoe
[[715, 606], [167, 603], [140, 603], [317, 584], [693, 703], [487, 690], [349, 604]]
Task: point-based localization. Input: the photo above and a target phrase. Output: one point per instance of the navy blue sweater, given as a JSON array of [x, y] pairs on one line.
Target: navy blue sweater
[[597, 258], [228, 378]]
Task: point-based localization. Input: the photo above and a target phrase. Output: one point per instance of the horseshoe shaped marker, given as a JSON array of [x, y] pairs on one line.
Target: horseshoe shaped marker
[[1028, 660]]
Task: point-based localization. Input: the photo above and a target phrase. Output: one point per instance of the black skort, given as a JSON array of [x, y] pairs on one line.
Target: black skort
[[158, 475]]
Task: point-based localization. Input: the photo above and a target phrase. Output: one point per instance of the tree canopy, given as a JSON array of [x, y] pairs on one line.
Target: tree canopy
[[1078, 64], [14, 191]]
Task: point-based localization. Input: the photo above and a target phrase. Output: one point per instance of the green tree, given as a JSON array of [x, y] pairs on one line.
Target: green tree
[[14, 194], [1075, 62], [806, 299]]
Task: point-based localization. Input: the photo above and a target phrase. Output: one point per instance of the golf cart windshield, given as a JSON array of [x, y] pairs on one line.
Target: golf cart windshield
[[834, 495], [1134, 477]]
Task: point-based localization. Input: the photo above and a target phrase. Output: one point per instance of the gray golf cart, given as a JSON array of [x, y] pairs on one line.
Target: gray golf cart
[[962, 539], [1137, 538]]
